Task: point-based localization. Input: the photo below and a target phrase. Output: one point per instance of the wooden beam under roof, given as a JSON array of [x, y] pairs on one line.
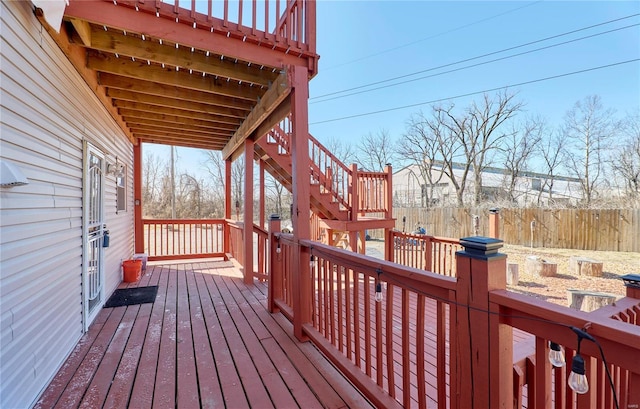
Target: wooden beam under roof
[[280, 90], [113, 81], [132, 115], [134, 122], [176, 112], [140, 70], [189, 143], [176, 103], [151, 50], [185, 133], [108, 14], [76, 55]]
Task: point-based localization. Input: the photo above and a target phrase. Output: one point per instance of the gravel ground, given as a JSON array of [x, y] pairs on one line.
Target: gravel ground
[[554, 289]]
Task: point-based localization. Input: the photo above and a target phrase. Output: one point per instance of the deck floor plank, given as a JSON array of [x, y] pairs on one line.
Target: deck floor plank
[[207, 341]]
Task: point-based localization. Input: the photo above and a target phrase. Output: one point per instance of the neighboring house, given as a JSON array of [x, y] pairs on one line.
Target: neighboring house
[[410, 189], [54, 272]]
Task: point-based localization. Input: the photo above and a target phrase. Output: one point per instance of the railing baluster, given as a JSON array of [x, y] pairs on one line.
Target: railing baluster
[[389, 342]]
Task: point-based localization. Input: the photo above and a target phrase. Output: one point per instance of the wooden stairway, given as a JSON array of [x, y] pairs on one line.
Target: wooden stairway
[[343, 198]]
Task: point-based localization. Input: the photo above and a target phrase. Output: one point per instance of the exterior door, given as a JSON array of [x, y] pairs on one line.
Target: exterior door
[[93, 224]]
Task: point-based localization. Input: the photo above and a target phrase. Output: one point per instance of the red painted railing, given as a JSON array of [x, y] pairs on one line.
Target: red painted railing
[[547, 386], [439, 341], [190, 238], [288, 25], [358, 191], [236, 240], [376, 343], [435, 254]]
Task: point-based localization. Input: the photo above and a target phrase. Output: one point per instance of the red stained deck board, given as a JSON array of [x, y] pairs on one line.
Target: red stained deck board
[[144, 382], [235, 353], [208, 382], [62, 380], [187, 379]]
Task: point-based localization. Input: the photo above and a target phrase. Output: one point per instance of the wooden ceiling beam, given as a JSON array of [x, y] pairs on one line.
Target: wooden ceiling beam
[[186, 133], [274, 96], [77, 57], [208, 145], [112, 81], [140, 70], [137, 122], [132, 115], [175, 103], [183, 113], [133, 46], [123, 18]]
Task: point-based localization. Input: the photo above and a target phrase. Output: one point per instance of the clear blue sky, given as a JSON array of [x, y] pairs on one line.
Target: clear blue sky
[[362, 42]]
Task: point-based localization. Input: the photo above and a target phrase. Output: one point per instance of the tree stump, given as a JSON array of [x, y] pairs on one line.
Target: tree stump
[[588, 301], [543, 268], [512, 274], [585, 266]]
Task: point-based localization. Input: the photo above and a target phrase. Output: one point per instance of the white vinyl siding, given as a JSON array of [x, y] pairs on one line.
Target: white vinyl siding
[[47, 110]]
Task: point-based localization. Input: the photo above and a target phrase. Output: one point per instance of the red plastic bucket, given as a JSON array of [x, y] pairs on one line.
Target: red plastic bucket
[[132, 270]]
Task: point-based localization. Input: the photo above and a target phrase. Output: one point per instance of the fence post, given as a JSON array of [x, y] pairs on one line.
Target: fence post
[[483, 358], [355, 200], [275, 264], [494, 223]]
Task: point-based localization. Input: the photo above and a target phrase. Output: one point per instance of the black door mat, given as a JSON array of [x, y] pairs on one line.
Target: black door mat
[[132, 296]]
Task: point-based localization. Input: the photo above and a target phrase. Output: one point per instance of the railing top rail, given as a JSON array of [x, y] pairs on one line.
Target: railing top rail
[[182, 221], [411, 278], [544, 319], [259, 229], [329, 154], [438, 239]]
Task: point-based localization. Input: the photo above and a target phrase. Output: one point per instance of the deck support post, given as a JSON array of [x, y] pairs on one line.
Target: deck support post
[[248, 211], [301, 280], [227, 205], [137, 197], [275, 264], [482, 371]]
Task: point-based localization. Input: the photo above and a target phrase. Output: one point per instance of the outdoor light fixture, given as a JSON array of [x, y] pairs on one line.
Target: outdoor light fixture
[[577, 378], [378, 296], [278, 249], [556, 356], [312, 261]]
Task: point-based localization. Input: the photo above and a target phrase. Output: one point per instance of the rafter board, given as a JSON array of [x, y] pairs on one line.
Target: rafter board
[[138, 106], [280, 90]]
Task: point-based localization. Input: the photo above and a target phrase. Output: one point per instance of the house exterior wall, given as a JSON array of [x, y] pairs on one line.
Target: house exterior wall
[[47, 112]]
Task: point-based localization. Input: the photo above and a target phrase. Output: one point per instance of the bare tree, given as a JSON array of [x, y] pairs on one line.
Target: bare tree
[[626, 159], [483, 135], [551, 152], [420, 145], [341, 149], [376, 150], [517, 148], [215, 167], [588, 127], [151, 184]]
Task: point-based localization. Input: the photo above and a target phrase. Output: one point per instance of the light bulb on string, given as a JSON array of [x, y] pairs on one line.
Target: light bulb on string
[[378, 296], [312, 261], [556, 356], [577, 378]]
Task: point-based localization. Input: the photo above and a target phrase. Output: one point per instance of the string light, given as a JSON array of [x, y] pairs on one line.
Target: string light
[[556, 356], [378, 296]]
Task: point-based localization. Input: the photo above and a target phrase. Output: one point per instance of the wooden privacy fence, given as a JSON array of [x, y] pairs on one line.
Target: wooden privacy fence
[[583, 229]]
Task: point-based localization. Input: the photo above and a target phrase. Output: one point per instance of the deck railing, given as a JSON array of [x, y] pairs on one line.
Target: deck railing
[[546, 385], [441, 341], [435, 254], [190, 238], [287, 24]]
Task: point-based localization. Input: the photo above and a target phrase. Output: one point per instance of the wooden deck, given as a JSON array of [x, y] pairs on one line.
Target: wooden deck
[[207, 341]]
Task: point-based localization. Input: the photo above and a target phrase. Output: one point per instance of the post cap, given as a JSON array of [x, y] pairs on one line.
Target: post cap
[[480, 247], [631, 280], [274, 216]]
